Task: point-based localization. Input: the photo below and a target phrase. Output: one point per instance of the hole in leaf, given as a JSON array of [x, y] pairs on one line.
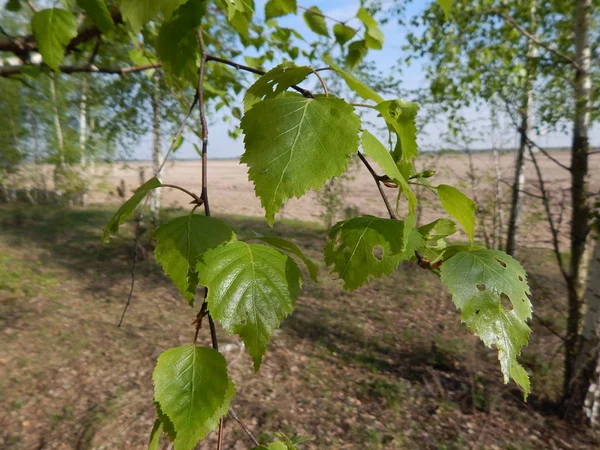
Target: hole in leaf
[[477, 312], [505, 301], [378, 252], [481, 287], [502, 263], [521, 278]]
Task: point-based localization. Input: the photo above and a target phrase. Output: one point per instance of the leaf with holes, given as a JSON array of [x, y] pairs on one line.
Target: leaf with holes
[[274, 82], [251, 289], [177, 43], [487, 318], [129, 207], [376, 151], [316, 21], [278, 8], [400, 117], [468, 272], [368, 246], [354, 83], [459, 206], [290, 247], [295, 144], [53, 29], [193, 390], [180, 244]]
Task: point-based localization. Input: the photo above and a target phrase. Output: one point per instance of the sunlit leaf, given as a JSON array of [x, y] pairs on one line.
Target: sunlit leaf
[[357, 51], [343, 33], [459, 206], [99, 13], [315, 21], [138, 12], [278, 8], [374, 36], [355, 84], [400, 117], [53, 30], [291, 248]]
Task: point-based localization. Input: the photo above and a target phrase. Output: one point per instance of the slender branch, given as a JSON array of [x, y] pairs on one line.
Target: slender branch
[[6, 71], [377, 179], [363, 105], [322, 82], [235, 417], [532, 37], [546, 154], [138, 221], [179, 188], [32, 6]]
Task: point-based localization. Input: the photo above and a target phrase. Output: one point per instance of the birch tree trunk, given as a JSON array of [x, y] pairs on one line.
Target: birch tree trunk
[[575, 386], [59, 168], [157, 156], [83, 161]]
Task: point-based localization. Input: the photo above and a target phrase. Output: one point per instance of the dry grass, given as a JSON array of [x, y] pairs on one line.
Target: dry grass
[[388, 366]]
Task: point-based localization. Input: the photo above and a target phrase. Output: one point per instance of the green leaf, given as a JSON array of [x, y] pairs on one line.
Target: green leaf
[[127, 208], [13, 5], [355, 84], [295, 144], [376, 151], [438, 229], [400, 117], [367, 246], [181, 243], [374, 37], [53, 30], [278, 8], [357, 51], [157, 430], [193, 390], [239, 14], [99, 13], [487, 318], [316, 21], [459, 206], [274, 82], [467, 273], [446, 6], [251, 289], [277, 445], [290, 247], [343, 33], [177, 43], [138, 12]]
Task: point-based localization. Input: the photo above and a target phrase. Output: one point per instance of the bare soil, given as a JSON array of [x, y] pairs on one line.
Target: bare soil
[[388, 366]]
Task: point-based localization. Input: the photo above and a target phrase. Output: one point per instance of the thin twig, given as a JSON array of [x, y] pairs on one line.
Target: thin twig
[[377, 179], [133, 264], [322, 82], [235, 417], [363, 105], [333, 19], [191, 194]]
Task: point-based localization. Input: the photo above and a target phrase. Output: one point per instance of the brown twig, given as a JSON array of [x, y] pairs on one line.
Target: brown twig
[[377, 179], [321, 81], [235, 417]]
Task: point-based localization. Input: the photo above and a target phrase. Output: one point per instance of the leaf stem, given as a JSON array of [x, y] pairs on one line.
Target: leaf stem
[[179, 188], [235, 417], [321, 81]]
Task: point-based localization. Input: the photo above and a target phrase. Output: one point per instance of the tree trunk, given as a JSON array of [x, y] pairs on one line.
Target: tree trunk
[[59, 167], [82, 142], [574, 386], [157, 156]]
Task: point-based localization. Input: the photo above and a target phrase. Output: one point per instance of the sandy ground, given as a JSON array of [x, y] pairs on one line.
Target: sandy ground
[[232, 193]]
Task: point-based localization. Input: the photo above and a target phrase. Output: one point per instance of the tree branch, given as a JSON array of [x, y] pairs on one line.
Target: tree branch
[[377, 179]]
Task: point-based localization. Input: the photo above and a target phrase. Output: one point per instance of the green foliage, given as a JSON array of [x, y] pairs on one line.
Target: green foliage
[[315, 21], [13, 5], [157, 430], [138, 12], [355, 84], [181, 243], [446, 6], [438, 229], [367, 246], [251, 289], [357, 51], [53, 30], [459, 206], [479, 281], [239, 15], [374, 36], [278, 8], [375, 150], [343, 33], [296, 144], [99, 13], [290, 247], [400, 118], [127, 208], [193, 390], [177, 44], [275, 82]]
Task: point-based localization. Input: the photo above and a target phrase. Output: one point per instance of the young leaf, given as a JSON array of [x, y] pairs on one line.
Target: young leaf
[[177, 43], [239, 14], [53, 30], [343, 33], [157, 429], [181, 243], [375, 150], [468, 272], [315, 21], [99, 13], [138, 12], [357, 50], [459, 206], [369, 246], [446, 6], [295, 144], [251, 289], [128, 207], [193, 390], [400, 117], [355, 84], [438, 229], [274, 82], [278, 8], [290, 247], [485, 316], [374, 36]]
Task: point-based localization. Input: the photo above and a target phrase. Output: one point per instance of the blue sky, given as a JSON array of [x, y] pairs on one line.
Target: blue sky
[[431, 137]]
